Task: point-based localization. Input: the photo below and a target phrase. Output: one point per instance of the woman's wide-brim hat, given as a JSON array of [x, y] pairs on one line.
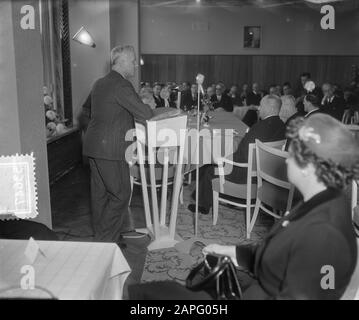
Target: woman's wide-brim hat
[[329, 139]]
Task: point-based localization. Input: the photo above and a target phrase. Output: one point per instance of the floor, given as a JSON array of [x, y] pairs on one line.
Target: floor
[[71, 214]]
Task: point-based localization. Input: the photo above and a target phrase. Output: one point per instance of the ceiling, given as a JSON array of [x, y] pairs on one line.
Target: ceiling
[[343, 5]]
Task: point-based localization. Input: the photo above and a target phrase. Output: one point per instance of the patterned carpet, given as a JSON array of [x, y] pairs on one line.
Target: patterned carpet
[[172, 264]]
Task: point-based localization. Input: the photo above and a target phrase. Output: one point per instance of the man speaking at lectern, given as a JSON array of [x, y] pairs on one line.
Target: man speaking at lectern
[[114, 105]]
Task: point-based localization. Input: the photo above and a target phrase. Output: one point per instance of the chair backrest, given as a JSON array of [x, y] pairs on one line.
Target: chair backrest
[[354, 195], [272, 169], [252, 162]]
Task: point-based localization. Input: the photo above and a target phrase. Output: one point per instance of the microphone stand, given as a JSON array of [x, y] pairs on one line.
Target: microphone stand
[[199, 80], [186, 245]]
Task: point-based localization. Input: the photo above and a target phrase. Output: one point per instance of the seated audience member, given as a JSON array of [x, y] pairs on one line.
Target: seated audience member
[[234, 95], [338, 92], [274, 90], [225, 89], [270, 128], [174, 93], [288, 108], [318, 231], [352, 105], [311, 104], [221, 101], [160, 103], [146, 95], [185, 88], [253, 99], [244, 94], [210, 92], [25, 229], [189, 100], [166, 96], [287, 89], [304, 78], [331, 104]]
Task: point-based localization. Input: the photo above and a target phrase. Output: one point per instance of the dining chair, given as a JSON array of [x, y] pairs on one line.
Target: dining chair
[[273, 188], [239, 191]]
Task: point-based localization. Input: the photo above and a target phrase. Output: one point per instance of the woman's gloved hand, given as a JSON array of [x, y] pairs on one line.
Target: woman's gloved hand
[[218, 249]]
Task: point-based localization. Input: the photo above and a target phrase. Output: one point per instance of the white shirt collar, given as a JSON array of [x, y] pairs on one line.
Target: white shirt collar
[[311, 111]]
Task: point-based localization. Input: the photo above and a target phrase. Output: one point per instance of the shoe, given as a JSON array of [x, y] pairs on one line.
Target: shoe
[[202, 210], [133, 235]]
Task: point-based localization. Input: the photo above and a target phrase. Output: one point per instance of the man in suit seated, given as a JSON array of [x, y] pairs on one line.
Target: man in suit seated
[[189, 98], [253, 99], [331, 104], [269, 128], [221, 101], [160, 103], [235, 96], [25, 229]]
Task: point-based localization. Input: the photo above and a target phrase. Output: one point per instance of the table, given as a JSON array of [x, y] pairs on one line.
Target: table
[[69, 270], [219, 139], [173, 140]]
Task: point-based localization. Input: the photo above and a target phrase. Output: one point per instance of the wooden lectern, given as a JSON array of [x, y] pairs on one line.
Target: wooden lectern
[[156, 139]]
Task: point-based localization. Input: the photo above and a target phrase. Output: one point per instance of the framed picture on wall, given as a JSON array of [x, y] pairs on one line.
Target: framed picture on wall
[[252, 37]]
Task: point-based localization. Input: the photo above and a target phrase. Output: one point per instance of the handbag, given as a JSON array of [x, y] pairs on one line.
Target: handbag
[[217, 276]]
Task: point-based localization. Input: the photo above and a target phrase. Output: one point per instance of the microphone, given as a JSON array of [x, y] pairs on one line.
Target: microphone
[[199, 81]]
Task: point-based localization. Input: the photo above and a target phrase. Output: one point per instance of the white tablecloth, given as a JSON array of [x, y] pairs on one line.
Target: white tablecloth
[[220, 138], [69, 270]]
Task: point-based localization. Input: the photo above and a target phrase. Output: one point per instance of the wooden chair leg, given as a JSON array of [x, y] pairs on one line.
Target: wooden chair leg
[[254, 218], [248, 217], [215, 207], [181, 196], [131, 184]]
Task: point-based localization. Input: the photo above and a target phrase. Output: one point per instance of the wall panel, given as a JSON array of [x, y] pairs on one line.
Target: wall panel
[[264, 69]]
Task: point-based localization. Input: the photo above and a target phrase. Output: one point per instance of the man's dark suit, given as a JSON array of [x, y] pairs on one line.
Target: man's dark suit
[[225, 103], [254, 98], [270, 129], [251, 117], [114, 105], [334, 108], [160, 102], [267, 130], [189, 101]]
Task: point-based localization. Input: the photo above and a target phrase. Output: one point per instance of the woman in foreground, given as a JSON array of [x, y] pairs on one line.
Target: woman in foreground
[[311, 252]]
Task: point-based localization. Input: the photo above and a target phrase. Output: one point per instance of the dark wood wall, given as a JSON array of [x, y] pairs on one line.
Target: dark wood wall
[[264, 69]]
